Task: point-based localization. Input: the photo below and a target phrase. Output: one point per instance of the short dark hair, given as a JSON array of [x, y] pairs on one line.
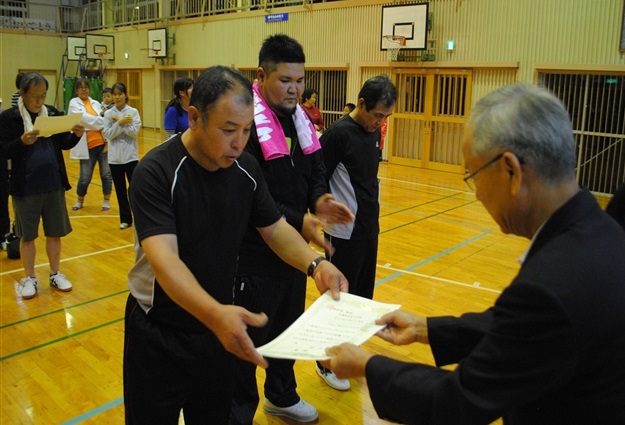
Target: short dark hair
[[32, 79], [350, 106], [215, 82], [308, 92], [107, 90], [378, 89], [277, 49]]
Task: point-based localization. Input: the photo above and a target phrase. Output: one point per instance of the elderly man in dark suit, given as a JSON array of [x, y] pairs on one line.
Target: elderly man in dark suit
[[550, 351]]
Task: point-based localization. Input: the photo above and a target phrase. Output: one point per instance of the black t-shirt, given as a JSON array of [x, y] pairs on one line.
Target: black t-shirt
[[208, 211]]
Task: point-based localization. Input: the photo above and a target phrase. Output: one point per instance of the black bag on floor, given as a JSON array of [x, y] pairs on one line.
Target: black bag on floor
[[13, 246]]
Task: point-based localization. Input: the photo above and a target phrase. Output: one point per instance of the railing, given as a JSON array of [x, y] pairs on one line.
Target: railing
[[32, 16]]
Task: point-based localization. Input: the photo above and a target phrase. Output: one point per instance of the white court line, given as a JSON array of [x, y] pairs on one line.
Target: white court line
[[104, 251], [440, 279], [427, 185]]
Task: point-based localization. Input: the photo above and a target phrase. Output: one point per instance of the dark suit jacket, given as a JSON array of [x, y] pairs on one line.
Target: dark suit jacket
[[616, 206], [550, 351]]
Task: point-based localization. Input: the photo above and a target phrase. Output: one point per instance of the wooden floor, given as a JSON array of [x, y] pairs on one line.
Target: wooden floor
[[61, 353]]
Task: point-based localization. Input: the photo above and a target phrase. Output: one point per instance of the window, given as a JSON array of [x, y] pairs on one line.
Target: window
[[596, 104]]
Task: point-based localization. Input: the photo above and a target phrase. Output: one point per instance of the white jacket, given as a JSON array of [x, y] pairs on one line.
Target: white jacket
[[81, 151], [122, 139]]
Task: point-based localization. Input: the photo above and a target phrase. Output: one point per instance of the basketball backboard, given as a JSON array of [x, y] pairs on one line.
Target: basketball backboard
[[75, 48], [100, 47], [157, 43], [409, 21]]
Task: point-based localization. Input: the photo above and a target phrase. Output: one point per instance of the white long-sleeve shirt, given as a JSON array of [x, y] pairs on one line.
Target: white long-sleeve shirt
[[123, 146]]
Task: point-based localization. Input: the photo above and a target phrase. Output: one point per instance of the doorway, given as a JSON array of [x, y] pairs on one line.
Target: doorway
[[132, 80], [429, 118]]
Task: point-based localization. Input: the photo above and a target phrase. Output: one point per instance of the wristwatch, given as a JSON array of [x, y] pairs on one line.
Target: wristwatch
[[314, 264]]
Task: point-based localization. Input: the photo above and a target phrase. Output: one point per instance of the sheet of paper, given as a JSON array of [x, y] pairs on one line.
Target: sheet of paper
[[327, 323], [48, 126]]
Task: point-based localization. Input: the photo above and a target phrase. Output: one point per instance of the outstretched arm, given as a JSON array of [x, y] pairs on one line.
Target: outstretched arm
[[285, 241], [228, 322]]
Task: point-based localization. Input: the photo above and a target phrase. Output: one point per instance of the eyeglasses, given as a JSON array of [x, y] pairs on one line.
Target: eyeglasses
[[470, 179]]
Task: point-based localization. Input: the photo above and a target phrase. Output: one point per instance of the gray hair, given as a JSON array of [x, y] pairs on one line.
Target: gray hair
[[530, 122], [32, 79]]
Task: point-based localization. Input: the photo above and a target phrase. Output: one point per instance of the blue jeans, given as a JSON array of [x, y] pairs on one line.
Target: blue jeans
[[87, 166]]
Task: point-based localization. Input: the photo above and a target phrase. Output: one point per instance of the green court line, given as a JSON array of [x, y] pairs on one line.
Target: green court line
[[63, 338], [422, 204], [63, 309], [425, 218]]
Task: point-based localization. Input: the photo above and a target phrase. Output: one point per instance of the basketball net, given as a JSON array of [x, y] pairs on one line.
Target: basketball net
[[394, 45]]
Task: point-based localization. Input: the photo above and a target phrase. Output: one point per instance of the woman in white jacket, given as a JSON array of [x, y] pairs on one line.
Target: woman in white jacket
[[121, 128], [91, 148]]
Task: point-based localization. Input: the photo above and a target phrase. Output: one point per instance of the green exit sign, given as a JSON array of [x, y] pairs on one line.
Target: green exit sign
[[613, 80]]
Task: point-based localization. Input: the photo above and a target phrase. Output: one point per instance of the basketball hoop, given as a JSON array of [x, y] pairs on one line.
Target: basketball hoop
[[152, 53], [102, 55], [394, 43]]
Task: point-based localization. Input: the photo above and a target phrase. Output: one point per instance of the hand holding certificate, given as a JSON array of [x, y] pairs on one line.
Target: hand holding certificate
[[48, 126], [327, 323]]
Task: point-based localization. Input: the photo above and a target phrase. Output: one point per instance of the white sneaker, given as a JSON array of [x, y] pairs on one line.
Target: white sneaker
[[124, 226], [301, 411], [60, 282], [28, 287], [332, 380]]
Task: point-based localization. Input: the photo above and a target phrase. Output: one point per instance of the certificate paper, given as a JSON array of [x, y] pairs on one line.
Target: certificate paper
[[48, 126], [325, 324]]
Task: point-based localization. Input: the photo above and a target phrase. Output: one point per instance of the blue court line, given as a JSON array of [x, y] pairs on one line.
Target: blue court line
[[434, 257], [94, 412]]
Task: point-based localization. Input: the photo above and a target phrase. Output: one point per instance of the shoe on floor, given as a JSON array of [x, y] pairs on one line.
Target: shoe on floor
[[77, 206], [28, 287], [4, 241], [331, 379], [124, 226], [60, 282], [106, 205], [301, 411]]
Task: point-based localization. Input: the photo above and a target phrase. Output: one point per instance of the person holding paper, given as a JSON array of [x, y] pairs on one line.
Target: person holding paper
[[38, 179], [550, 350], [284, 142], [193, 198]]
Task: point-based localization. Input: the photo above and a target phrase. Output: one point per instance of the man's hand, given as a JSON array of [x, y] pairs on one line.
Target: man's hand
[[30, 137], [231, 330], [403, 328], [331, 211], [78, 130], [327, 276], [311, 232], [347, 360]]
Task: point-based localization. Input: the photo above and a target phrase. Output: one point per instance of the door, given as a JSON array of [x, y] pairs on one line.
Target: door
[[132, 80], [427, 126]]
